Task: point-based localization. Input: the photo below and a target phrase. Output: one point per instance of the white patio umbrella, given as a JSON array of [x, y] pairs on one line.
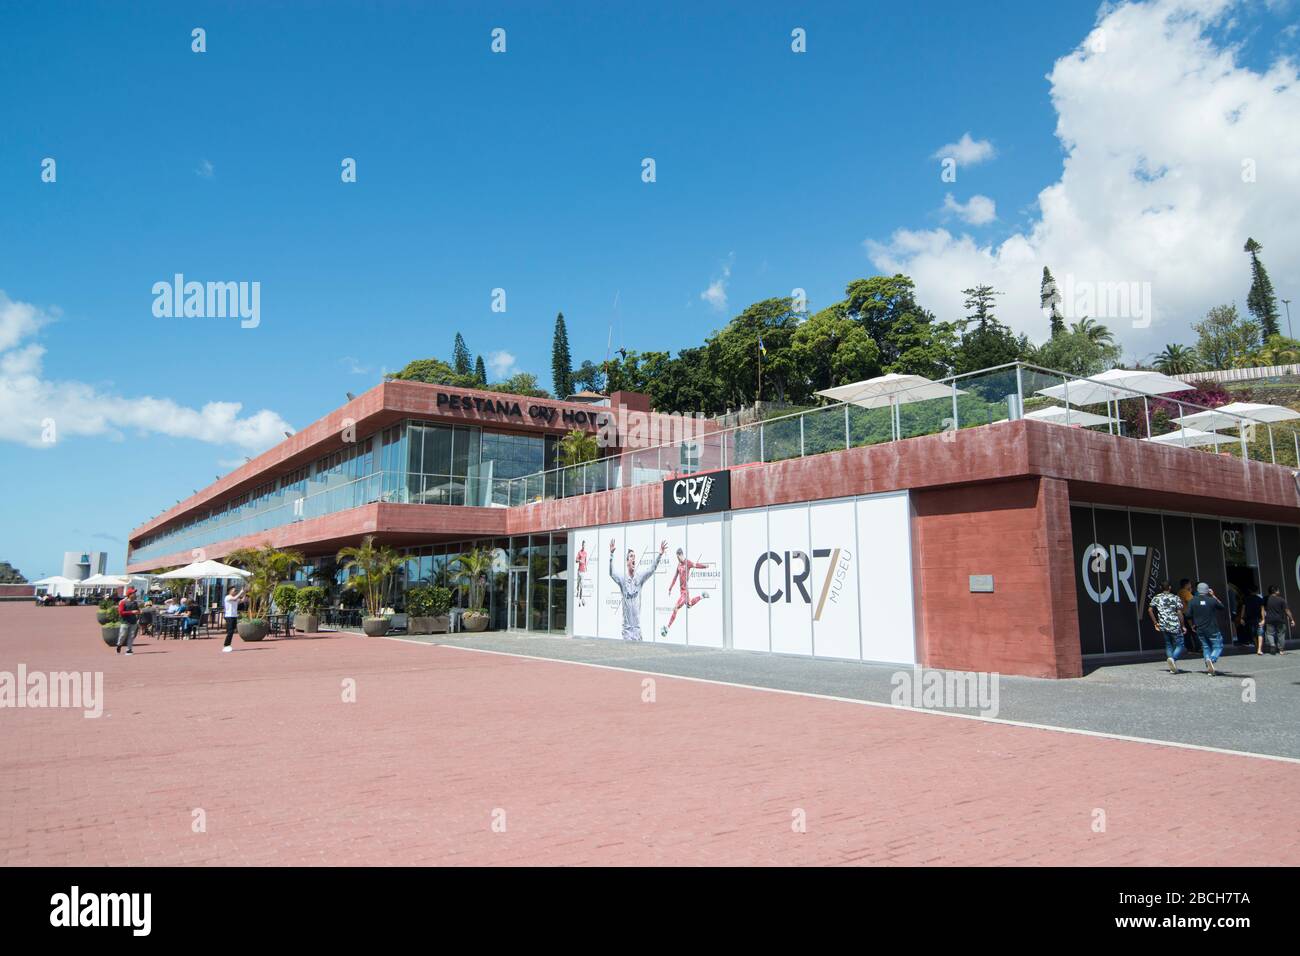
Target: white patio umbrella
[[205, 569], [1190, 437], [1230, 416], [891, 391], [57, 585], [1064, 415], [1115, 385]]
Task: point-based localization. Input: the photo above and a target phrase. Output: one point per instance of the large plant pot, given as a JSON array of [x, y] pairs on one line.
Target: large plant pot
[[109, 633], [374, 626], [102, 617], [308, 623], [427, 625], [252, 630], [474, 620]]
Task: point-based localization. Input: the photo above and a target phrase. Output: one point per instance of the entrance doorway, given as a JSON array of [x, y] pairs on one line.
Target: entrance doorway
[[517, 599], [1241, 567]]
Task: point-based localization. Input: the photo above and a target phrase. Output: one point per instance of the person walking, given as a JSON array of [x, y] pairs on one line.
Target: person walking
[[1166, 613], [128, 610], [230, 608], [1277, 614], [1203, 611], [630, 587], [1185, 595]]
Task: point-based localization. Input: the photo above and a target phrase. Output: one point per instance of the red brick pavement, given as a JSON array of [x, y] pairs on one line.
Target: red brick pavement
[[585, 772]]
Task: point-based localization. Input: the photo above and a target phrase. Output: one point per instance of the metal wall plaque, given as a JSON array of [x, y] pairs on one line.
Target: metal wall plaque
[[981, 582]]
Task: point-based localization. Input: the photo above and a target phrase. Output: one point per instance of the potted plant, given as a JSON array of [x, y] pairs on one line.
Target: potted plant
[[110, 624], [285, 597], [267, 567], [310, 600], [427, 606], [374, 567], [472, 569], [107, 608]]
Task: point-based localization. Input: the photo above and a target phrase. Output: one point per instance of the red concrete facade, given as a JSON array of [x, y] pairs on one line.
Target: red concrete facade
[[992, 500]]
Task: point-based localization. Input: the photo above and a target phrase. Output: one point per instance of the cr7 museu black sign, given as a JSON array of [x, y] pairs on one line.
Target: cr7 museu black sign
[[697, 494]]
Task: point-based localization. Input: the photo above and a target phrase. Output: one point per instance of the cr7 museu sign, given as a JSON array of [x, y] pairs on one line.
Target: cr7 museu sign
[[697, 494]]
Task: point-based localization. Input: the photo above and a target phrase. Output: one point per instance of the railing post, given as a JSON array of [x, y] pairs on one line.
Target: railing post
[[1272, 452], [1146, 413], [801, 452], [1241, 428], [955, 425], [762, 456], [847, 444], [1020, 394]]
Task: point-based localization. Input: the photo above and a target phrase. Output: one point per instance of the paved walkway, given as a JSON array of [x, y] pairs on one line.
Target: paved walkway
[[441, 742]]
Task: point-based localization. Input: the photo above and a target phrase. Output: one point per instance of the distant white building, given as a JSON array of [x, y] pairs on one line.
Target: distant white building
[[79, 565]]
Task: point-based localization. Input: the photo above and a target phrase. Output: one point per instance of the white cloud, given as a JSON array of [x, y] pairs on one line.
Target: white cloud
[[978, 210], [716, 293], [967, 151], [28, 399], [205, 170], [501, 364], [1156, 123]]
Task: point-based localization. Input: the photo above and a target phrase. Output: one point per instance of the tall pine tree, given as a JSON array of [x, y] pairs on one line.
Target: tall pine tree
[[1049, 298], [480, 371], [561, 360], [460, 357], [1261, 301]]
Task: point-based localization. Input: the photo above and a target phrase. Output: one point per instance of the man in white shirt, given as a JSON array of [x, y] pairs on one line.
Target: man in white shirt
[[230, 608]]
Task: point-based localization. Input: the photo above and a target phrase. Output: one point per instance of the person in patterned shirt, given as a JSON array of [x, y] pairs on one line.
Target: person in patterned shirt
[[1166, 613]]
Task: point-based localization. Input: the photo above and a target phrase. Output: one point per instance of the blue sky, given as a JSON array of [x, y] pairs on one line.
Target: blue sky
[[476, 170]]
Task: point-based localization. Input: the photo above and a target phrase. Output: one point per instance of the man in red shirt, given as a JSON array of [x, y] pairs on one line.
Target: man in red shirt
[[684, 599], [128, 609]]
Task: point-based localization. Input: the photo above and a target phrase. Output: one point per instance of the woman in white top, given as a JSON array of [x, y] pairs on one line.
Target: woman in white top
[[230, 608]]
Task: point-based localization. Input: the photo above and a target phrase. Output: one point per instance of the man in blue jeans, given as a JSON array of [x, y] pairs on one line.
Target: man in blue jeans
[[1166, 613], [1203, 610]]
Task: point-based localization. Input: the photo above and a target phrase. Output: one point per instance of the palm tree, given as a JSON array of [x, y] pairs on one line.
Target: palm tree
[[472, 568], [577, 447], [1095, 332], [267, 567], [1177, 360], [375, 567]]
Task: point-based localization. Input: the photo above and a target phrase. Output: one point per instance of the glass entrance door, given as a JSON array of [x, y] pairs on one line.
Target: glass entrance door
[[517, 599]]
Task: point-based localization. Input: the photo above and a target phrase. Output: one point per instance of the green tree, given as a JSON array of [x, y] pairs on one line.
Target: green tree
[[460, 357], [577, 447], [374, 567], [435, 372], [267, 567], [589, 377], [979, 305], [521, 383], [1095, 331], [735, 354], [480, 372], [886, 307], [1076, 353], [1277, 350], [831, 349], [561, 360], [1177, 360], [1050, 301], [989, 343], [10, 575], [1261, 302], [1224, 339]]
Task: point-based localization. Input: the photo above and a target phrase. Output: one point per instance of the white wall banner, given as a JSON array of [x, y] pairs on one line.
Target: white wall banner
[[835, 579], [584, 572], [790, 584], [703, 609], [670, 623], [885, 579], [831, 578], [750, 581]]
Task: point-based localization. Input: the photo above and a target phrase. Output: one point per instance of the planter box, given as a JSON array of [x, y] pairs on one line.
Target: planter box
[[474, 621], [374, 626], [427, 625], [308, 623], [252, 631]]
